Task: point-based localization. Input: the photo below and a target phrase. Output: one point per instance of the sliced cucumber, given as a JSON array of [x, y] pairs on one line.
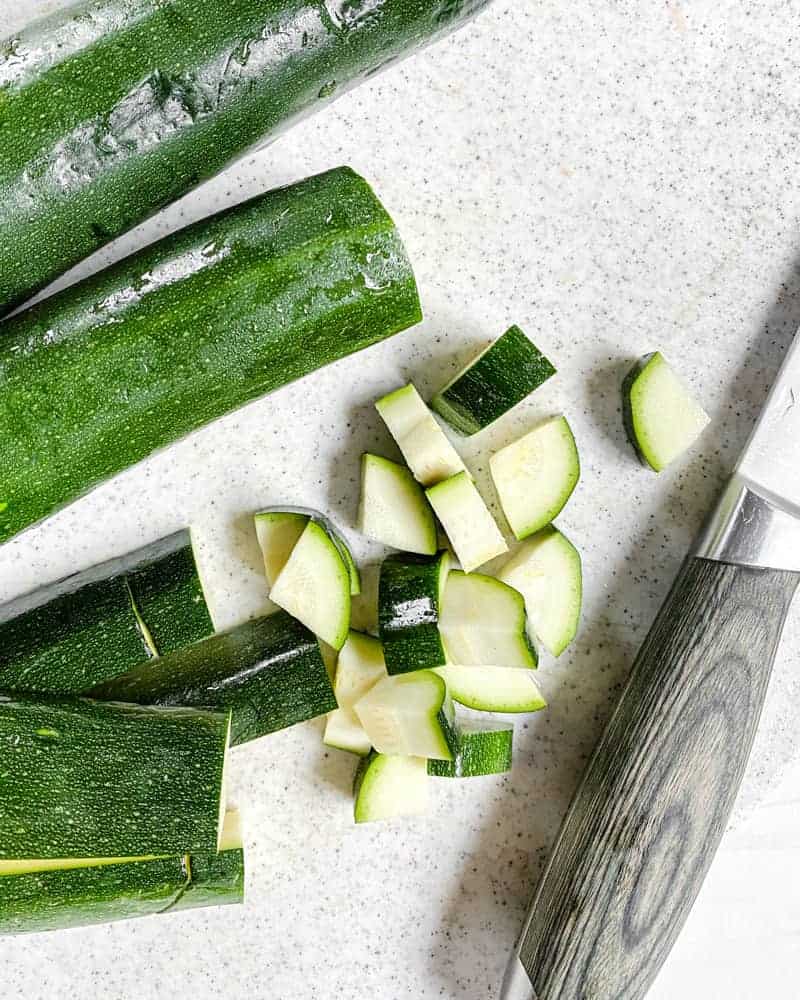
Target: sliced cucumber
[[481, 751], [409, 600], [661, 416], [493, 689], [499, 378], [535, 476], [467, 521], [387, 787], [546, 570], [424, 445], [314, 586], [278, 530], [483, 623], [411, 714], [393, 507], [343, 731]]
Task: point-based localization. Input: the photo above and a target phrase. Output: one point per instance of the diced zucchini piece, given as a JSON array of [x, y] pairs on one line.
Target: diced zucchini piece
[[481, 751], [393, 507], [409, 600], [424, 445], [360, 666], [503, 375], [314, 586], [546, 570], [661, 416], [493, 689], [467, 521], [411, 714], [343, 731], [536, 475], [278, 530], [483, 623], [387, 787]]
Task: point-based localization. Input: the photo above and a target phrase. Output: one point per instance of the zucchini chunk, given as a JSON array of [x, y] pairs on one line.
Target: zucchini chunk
[[410, 594], [536, 475], [393, 508], [388, 786], [343, 731], [467, 521], [360, 666], [493, 689], [481, 750]]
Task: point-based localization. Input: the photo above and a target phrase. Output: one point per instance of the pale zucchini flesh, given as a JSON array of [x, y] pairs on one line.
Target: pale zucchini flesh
[[493, 689], [535, 476], [387, 787], [467, 521], [393, 508], [343, 731], [359, 667]]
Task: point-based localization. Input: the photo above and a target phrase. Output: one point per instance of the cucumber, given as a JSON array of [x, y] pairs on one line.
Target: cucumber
[[466, 519], [343, 731], [46, 895], [481, 751], [278, 530], [493, 689], [67, 636], [107, 371], [411, 714], [546, 570], [387, 787], [393, 508], [410, 592], [536, 475], [268, 673], [360, 666], [111, 109], [503, 375], [661, 416], [483, 623], [88, 780], [424, 445], [314, 586]]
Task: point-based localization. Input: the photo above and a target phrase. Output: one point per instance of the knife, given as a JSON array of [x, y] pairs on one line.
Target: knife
[[646, 821]]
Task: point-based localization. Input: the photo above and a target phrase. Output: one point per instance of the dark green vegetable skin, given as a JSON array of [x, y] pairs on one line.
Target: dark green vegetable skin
[[627, 413], [70, 635], [88, 780], [76, 897], [104, 373], [268, 672], [506, 374], [408, 613], [114, 108]]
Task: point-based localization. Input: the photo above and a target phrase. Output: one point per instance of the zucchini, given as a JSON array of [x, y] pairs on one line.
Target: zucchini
[[503, 375], [483, 623], [46, 895], [661, 416], [314, 586], [411, 714], [103, 373], [67, 636], [386, 787], [481, 751], [493, 689], [536, 475], [360, 666], [424, 445], [467, 521], [87, 780], [268, 673], [278, 530], [111, 109], [546, 570], [410, 593], [343, 731], [393, 508]]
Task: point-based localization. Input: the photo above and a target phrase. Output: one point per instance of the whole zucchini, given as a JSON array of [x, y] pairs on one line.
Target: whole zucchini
[[98, 376], [113, 108]]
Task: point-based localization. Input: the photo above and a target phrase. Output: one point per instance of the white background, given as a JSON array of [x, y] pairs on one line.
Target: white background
[[614, 177]]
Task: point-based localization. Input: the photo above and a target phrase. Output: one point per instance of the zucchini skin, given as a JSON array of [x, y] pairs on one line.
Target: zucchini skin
[[102, 374], [115, 108], [89, 780], [627, 412], [478, 753], [72, 634], [268, 672], [408, 613]]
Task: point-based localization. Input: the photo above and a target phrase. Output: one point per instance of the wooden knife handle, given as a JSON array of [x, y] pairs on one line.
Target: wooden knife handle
[[648, 817]]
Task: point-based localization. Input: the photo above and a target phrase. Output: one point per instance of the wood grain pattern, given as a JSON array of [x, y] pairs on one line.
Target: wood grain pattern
[[646, 822]]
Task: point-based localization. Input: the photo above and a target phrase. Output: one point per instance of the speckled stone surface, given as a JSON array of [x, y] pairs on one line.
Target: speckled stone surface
[[615, 178]]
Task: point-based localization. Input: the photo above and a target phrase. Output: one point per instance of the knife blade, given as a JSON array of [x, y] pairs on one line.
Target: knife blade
[[651, 809]]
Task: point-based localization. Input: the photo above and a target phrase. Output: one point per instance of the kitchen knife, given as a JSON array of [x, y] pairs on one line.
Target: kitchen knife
[[654, 802]]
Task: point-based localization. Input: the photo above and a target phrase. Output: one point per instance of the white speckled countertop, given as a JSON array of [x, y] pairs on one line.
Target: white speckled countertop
[[614, 177]]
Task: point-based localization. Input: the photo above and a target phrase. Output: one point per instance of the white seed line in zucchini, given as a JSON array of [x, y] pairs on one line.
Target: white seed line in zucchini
[[393, 509], [467, 521]]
